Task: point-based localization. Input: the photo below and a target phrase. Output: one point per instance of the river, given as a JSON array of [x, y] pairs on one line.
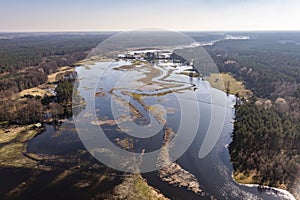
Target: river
[[213, 171]]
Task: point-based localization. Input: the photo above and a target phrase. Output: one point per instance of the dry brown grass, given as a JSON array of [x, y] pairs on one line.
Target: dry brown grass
[[9, 134], [134, 187], [218, 81], [253, 178], [61, 70], [244, 178], [11, 154], [36, 91]]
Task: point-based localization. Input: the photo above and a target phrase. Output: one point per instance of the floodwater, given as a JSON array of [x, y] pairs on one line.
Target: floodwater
[[213, 172]]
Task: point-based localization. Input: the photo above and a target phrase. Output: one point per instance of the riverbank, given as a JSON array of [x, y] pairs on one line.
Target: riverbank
[[173, 173], [285, 193]]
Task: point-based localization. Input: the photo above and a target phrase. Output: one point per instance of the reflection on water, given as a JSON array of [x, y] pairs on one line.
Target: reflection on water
[[56, 140]]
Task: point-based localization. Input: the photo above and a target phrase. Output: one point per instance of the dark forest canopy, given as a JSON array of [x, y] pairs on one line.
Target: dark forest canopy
[[265, 144]]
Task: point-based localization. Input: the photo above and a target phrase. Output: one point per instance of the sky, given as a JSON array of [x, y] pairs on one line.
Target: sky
[[123, 15]]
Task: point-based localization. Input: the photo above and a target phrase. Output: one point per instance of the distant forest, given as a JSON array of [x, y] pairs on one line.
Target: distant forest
[[268, 63], [27, 59]]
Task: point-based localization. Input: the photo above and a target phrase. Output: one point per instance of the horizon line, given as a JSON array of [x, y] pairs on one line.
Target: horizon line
[[155, 29]]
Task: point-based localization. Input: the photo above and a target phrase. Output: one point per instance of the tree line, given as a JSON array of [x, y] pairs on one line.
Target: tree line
[[266, 138]]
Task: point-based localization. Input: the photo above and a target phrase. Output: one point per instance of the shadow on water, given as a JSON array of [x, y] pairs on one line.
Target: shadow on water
[[71, 172], [40, 187]]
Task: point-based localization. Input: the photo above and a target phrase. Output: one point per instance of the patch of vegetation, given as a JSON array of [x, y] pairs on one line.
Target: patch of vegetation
[[245, 178], [57, 76], [23, 111], [235, 87], [12, 153], [34, 92], [134, 187], [64, 91]]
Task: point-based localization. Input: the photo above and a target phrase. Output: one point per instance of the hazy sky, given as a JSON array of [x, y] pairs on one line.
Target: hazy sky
[[100, 15]]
